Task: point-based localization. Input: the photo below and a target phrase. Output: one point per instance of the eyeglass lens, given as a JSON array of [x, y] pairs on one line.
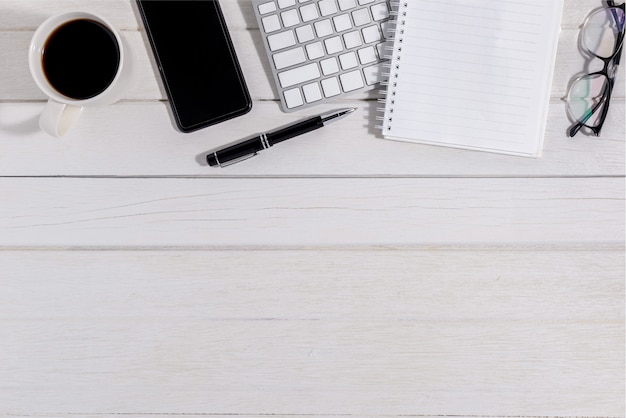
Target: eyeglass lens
[[602, 32], [586, 97]]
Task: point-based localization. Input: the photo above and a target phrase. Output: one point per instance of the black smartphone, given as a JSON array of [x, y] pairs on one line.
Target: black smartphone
[[196, 60]]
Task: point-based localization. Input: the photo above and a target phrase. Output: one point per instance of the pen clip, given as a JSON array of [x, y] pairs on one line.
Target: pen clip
[[236, 160]]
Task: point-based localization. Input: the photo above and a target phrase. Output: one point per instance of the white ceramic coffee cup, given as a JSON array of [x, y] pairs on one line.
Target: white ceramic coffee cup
[[61, 111]]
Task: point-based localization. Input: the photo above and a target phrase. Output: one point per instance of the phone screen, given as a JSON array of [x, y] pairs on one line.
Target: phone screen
[[196, 60]]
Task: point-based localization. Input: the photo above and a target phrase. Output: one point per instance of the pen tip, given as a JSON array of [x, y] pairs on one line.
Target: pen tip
[[336, 115]]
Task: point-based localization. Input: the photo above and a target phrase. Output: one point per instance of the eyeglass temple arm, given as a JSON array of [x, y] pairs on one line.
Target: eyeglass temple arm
[[576, 128], [620, 26], [620, 40]]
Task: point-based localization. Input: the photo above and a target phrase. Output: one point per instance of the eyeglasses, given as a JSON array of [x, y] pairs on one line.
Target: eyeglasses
[[602, 36]]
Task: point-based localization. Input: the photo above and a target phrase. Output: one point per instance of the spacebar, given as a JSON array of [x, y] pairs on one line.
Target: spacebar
[[299, 75]]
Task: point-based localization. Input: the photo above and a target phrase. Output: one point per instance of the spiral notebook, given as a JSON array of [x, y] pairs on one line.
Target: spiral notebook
[[473, 74]]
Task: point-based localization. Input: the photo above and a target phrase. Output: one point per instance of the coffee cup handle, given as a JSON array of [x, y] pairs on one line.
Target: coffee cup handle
[[57, 118]]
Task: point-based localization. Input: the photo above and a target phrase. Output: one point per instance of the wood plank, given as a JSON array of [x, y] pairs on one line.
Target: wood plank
[[287, 367], [494, 332], [513, 283], [16, 83], [138, 139], [256, 211], [340, 368]]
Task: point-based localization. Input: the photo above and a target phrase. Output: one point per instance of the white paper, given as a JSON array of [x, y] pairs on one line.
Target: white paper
[[473, 73]]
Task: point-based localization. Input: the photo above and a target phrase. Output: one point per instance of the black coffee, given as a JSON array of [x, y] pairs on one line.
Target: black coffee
[[80, 58]]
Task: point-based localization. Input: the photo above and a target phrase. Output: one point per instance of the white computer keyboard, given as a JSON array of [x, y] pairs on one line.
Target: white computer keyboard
[[320, 50]]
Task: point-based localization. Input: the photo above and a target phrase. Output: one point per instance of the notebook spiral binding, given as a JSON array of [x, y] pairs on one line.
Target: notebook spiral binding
[[392, 65]]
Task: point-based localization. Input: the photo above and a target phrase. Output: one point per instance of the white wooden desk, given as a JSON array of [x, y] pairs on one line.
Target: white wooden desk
[[337, 274]]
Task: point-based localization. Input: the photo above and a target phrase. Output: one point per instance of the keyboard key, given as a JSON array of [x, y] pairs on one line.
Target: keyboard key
[[331, 87], [367, 55], [352, 39], [315, 50], [299, 75], [333, 45], [361, 17], [290, 18], [380, 11], [323, 28], [289, 58], [312, 92], [348, 60], [384, 49], [286, 3], [309, 12], [266, 8], [342, 22], [351, 81], [373, 74], [327, 7], [281, 40], [329, 66], [305, 33], [347, 4], [271, 23], [387, 30], [371, 34], [293, 98]]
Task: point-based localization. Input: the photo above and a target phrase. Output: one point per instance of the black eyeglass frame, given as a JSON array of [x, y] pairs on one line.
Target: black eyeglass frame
[[612, 63]]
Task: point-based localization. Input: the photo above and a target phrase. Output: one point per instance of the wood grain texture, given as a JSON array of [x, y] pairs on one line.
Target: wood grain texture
[[161, 212], [314, 332]]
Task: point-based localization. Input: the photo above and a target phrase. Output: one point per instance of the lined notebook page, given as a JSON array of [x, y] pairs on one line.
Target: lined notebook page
[[473, 73]]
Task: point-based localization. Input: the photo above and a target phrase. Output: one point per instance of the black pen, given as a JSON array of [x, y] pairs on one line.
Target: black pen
[[248, 148]]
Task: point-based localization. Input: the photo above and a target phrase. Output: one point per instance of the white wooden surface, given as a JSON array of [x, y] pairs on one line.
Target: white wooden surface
[[338, 274]]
